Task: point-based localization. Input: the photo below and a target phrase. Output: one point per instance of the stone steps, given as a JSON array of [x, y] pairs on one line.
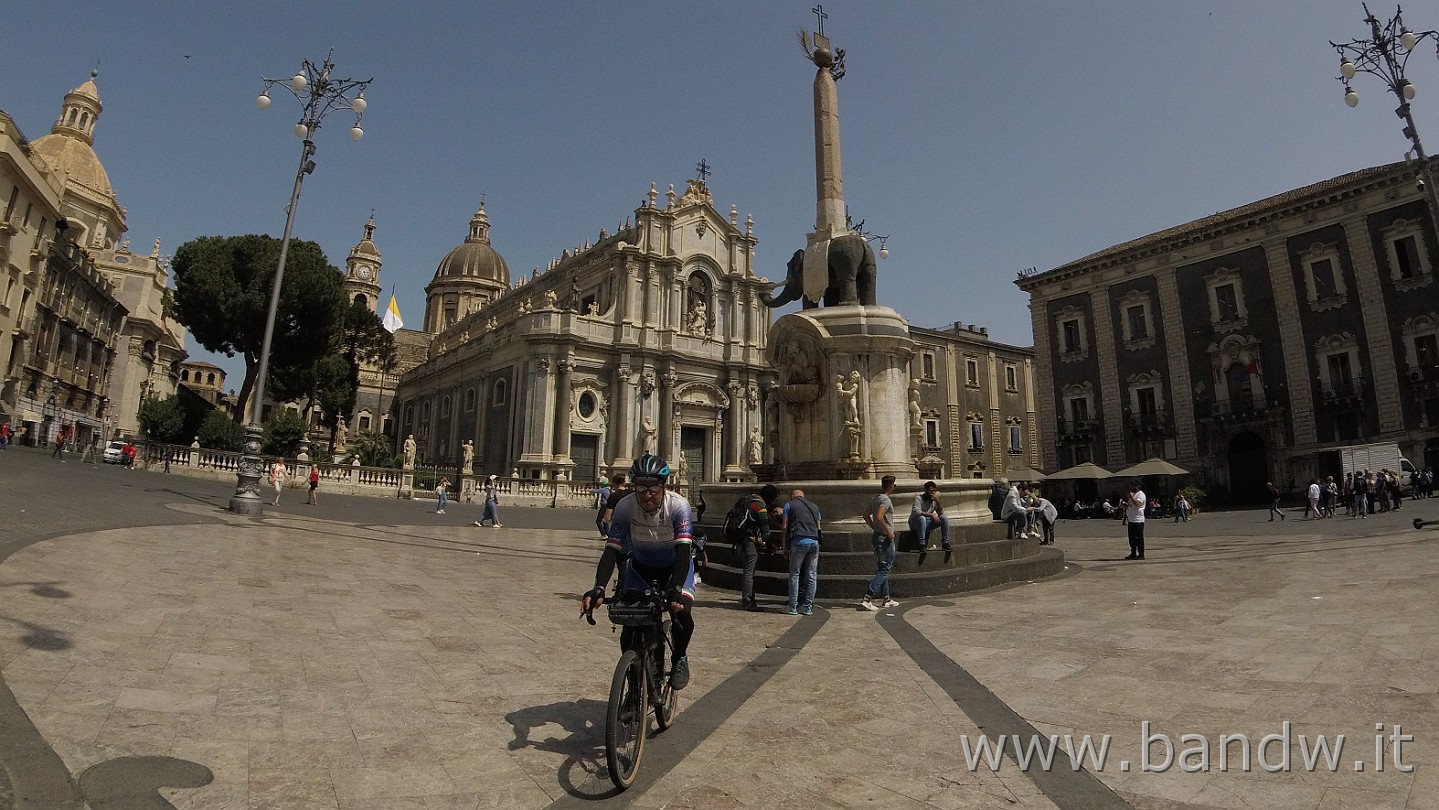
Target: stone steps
[[910, 578]]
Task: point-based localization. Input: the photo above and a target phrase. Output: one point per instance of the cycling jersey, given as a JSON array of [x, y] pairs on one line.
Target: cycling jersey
[[654, 542]]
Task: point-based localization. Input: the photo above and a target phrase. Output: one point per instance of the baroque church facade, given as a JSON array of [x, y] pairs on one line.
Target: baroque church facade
[[89, 364], [650, 339]]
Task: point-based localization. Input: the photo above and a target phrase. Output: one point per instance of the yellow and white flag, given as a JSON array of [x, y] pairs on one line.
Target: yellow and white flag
[[392, 321]]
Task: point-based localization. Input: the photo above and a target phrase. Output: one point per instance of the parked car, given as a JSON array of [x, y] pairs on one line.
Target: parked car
[[114, 452]]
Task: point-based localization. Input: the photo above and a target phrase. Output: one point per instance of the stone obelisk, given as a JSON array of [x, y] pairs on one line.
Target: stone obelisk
[[829, 176]]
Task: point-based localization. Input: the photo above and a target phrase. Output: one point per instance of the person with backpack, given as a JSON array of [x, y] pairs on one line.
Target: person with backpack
[[747, 527]]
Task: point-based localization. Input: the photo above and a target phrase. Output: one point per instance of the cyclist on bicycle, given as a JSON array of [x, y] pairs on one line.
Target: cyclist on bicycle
[[651, 528]]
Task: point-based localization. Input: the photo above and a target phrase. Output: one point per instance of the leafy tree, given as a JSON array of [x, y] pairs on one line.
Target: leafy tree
[[283, 433], [220, 432], [373, 450], [162, 420], [222, 295]]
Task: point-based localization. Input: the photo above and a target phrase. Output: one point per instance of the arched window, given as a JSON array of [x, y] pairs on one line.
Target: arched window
[[362, 300], [84, 119], [445, 407], [469, 400], [499, 398], [184, 375], [70, 119], [210, 380]]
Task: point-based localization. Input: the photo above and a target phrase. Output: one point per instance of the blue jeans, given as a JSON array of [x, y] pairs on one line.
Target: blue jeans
[[492, 512], [1182, 514], [921, 526], [883, 560], [803, 559], [444, 498]]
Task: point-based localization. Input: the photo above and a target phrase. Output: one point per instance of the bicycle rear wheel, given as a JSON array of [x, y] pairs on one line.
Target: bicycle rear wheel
[[626, 720]]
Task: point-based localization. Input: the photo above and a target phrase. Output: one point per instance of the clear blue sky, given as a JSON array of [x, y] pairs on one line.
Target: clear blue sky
[[984, 138]]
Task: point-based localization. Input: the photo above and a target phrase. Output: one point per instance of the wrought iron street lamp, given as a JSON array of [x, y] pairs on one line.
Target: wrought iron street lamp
[[1386, 54], [319, 95]]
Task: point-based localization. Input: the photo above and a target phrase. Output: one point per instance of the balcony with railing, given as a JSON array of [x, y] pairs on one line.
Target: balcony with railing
[[1077, 431], [1240, 410], [1342, 392], [1148, 422], [1423, 379]]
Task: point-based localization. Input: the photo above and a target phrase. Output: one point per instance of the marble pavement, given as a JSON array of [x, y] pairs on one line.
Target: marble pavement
[[371, 654]]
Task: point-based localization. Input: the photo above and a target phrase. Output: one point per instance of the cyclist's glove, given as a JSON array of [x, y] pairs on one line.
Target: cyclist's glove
[[596, 595], [675, 596]]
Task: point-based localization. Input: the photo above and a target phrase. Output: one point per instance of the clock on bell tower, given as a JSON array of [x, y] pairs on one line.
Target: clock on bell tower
[[362, 270]]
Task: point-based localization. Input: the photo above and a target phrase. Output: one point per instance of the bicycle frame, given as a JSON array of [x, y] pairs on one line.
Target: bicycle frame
[[640, 686]]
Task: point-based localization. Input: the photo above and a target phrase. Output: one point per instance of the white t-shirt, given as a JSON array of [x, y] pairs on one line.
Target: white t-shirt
[[1314, 492], [1132, 513]]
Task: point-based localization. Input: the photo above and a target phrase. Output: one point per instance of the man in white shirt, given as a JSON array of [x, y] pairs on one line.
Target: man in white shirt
[[1313, 494], [1134, 521]]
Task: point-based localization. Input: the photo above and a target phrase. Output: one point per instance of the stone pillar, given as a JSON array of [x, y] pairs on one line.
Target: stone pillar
[[1293, 346], [668, 418], [1111, 397], [539, 386], [625, 423], [810, 349], [564, 406], [1369, 288], [1180, 384]]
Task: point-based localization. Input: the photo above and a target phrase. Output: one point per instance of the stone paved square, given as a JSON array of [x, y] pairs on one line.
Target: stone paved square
[[369, 654]]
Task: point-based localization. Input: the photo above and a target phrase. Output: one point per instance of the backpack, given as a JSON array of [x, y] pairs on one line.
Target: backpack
[[739, 521]]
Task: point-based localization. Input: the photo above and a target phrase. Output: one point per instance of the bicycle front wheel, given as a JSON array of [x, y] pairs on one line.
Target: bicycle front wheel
[[626, 720]]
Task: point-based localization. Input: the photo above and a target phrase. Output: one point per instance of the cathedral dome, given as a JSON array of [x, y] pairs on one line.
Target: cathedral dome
[[475, 259], [68, 147]]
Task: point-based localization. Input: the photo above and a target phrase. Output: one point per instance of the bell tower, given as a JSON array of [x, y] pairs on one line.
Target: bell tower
[[362, 269]]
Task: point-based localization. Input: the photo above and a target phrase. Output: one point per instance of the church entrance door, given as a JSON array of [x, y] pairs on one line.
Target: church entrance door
[[584, 449]]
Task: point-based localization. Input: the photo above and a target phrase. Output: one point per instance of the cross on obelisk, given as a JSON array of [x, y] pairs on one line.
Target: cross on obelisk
[[703, 170]]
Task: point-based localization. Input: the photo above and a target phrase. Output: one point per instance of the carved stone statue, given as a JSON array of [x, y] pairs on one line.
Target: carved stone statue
[[550, 298], [649, 436], [468, 467], [849, 397], [914, 420], [410, 452], [699, 319], [341, 432], [756, 446], [684, 469], [852, 274]]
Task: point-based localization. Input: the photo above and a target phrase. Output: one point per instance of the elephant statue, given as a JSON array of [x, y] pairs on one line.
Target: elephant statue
[[851, 276]]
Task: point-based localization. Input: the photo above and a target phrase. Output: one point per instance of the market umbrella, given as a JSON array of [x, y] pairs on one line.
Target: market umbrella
[[1080, 472], [1153, 466], [1024, 474]]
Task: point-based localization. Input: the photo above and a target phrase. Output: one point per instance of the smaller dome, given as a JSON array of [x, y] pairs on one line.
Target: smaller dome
[[475, 258]]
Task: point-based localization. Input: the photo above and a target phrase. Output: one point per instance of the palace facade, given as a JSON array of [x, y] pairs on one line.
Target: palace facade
[[1247, 345]]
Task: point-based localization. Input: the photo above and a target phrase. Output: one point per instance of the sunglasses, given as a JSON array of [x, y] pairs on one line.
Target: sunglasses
[[652, 489]]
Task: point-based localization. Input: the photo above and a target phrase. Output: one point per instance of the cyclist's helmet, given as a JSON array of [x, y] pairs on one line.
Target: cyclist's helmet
[[649, 469]]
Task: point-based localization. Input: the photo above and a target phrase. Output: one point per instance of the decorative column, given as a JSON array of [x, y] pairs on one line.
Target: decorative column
[[1111, 398], [536, 431], [564, 406], [622, 428], [669, 422]]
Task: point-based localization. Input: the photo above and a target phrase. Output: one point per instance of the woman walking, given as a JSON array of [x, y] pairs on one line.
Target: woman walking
[[278, 474], [442, 493], [492, 504], [314, 484]]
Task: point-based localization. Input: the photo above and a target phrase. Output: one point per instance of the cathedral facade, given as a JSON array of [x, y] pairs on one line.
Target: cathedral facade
[[650, 339]]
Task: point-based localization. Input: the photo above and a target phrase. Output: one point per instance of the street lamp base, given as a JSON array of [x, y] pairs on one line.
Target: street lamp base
[[247, 500]]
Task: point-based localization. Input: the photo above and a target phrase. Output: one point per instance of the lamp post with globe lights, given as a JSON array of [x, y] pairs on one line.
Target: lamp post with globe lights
[[1386, 54], [319, 95]]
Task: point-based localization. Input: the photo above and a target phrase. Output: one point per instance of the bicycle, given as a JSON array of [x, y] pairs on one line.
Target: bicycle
[[641, 684]]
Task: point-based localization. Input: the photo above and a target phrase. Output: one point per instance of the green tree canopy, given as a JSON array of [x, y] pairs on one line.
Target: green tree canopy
[[373, 450], [222, 296], [163, 420], [283, 433], [220, 432]]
